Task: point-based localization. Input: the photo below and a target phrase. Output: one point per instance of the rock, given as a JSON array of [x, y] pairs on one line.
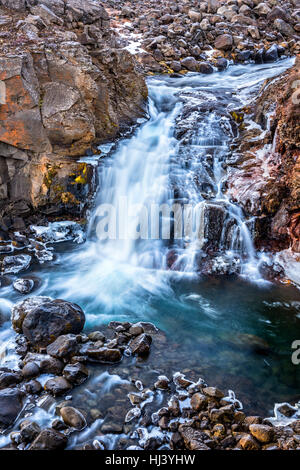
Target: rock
[[10, 406], [262, 433], [49, 439], [190, 64], [17, 5], [262, 9], [96, 336], [57, 386], [221, 64], [30, 370], [136, 329], [9, 378], [24, 286], [213, 392], [195, 16], [33, 387], [247, 442], [198, 401], [29, 430], [20, 310], [204, 67], [43, 320], [286, 409], [15, 264], [63, 347], [141, 345], [73, 417], [193, 439], [162, 383], [75, 373], [46, 363], [224, 42], [271, 55], [284, 27], [104, 354]]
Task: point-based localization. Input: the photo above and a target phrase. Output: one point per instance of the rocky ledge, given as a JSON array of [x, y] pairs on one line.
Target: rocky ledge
[[66, 85], [193, 35], [264, 169], [178, 413]]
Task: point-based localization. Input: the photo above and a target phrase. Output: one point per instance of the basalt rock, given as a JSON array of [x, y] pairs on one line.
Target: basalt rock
[[60, 96], [43, 320]]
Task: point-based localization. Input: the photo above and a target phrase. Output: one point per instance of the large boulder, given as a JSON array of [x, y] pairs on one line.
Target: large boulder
[[42, 320], [10, 406]]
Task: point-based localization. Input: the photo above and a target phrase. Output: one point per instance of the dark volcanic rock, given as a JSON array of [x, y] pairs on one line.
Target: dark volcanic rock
[[57, 386], [63, 347], [10, 406], [49, 439], [76, 373], [141, 345], [43, 323]]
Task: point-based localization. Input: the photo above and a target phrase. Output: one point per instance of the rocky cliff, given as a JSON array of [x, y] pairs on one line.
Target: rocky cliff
[[265, 176], [66, 85]]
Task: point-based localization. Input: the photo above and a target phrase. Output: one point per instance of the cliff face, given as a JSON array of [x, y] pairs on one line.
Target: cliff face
[[66, 85], [265, 178]]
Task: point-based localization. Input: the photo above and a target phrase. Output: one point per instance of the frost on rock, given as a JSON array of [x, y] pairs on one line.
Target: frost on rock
[[15, 264], [57, 232]]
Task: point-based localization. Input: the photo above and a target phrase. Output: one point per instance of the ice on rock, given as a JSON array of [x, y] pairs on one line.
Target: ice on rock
[[57, 232], [132, 414]]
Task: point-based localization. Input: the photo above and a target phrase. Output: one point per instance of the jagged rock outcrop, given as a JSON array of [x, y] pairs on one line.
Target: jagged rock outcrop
[[265, 177], [66, 85]]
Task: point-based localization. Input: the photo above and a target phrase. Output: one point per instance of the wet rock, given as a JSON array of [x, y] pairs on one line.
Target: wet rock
[[9, 378], [10, 406], [221, 64], [33, 387], [21, 309], [198, 401], [193, 439], [271, 55], [63, 347], [105, 355], [59, 425], [49, 439], [136, 329], [30, 370], [49, 319], [76, 373], [262, 433], [15, 264], [29, 430], [162, 383], [204, 67], [213, 392], [141, 345], [286, 409], [224, 42], [24, 286], [73, 417], [46, 363], [96, 336], [190, 64], [57, 386], [247, 442]]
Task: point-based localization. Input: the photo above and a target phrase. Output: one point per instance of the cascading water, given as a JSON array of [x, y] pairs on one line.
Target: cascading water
[[178, 157]]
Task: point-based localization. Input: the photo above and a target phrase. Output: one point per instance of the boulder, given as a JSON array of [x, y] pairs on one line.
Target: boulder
[[262, 433], [57, 386], [49, 439], [46, 363], [29, 430], [198, 401], [63, 347], [205, 67], [104, 354], [9, 378], [10, 406], [76, 373], [23, 286], [15, 264], [284, 28], [190, 64], [141, 345], [73, 417], [224, 42], [42, 320]]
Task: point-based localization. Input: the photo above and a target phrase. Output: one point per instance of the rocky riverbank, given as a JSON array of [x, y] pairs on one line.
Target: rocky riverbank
[[66, 86], [180, 413], [170, 36]]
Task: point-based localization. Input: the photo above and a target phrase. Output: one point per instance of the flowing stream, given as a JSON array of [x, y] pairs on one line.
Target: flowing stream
[[235, 331]]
